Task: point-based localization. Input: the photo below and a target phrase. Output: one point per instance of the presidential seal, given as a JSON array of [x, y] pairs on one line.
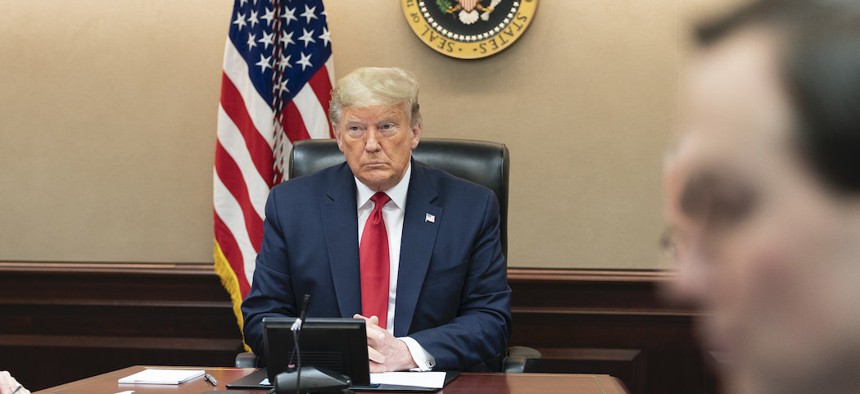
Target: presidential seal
[[469, 29]]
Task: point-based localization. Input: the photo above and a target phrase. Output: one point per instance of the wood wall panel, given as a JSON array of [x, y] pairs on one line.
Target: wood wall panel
[[582, 319], [64, 321]]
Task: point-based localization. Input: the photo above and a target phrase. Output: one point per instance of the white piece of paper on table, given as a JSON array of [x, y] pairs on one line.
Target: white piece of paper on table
[[418, 379], [162, 376]]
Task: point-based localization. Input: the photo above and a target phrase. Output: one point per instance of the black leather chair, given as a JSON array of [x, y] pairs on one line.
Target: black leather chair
[[482, 162], [485, 163]]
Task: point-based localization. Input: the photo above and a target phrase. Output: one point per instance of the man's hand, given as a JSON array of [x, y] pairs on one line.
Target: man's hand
[[9, 385], [386, 352]]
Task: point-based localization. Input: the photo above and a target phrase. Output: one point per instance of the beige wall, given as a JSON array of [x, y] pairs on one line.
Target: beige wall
[[107, 122]]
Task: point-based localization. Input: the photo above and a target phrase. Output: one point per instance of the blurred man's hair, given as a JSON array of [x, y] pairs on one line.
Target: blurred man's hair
[[820, 47]]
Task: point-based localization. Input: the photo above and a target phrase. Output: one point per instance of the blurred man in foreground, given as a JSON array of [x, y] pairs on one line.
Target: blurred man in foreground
[[763, 195]]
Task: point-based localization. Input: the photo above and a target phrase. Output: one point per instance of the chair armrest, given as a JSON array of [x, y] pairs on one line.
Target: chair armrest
[[246, 360], [515, 362]]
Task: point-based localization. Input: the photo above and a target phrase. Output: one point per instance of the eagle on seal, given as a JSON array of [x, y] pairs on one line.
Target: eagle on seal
[[468, 9]]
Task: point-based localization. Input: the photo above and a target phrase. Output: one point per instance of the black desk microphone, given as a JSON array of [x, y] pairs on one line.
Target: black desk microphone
[[297, 325]]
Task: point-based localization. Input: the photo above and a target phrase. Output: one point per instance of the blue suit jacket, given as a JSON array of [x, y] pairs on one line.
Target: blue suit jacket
[[452, 291]]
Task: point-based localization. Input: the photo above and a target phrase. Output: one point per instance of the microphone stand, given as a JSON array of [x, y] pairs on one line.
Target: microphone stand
[[296, 328]]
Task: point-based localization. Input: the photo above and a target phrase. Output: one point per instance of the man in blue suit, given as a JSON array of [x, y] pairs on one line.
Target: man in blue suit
[[412, 250]]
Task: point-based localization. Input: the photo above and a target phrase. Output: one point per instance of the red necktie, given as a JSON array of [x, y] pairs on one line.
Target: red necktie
[[374, 261]]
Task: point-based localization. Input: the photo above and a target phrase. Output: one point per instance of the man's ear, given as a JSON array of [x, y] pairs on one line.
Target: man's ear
[[337, 137], [416, 135]]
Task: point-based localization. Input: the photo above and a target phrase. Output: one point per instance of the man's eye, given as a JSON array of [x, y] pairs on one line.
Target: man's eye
[[731, 206], [733, 209], [719, 199], [388, 126]]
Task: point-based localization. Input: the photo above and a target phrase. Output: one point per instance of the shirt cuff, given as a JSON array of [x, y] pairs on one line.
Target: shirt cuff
[[425, 361]]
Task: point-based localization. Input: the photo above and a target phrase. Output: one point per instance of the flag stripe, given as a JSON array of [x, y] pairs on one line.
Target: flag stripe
[[321, 85], [228, 209], [293, 124], [312, 113], [258, 148], [329, 67], [231, 176], [230, 140]]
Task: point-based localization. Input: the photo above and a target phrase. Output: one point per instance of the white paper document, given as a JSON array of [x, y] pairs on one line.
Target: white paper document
[[434, 380], [162, 376]]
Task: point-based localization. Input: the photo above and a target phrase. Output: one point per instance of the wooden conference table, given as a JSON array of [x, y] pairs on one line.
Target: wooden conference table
[[467, 383]]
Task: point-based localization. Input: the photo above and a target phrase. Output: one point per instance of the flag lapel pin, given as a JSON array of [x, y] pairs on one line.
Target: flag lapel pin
[[429, 218]]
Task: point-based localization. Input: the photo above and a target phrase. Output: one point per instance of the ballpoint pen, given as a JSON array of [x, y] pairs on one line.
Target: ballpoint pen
[[211, 379], [20, 386]]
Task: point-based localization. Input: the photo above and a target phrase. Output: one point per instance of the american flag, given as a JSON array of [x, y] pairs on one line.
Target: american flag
[[275, 89]]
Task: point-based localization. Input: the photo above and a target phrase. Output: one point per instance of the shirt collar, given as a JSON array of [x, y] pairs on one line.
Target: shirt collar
[[396, 193]]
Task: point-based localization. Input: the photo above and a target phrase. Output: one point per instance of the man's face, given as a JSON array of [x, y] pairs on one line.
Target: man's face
[[757, 242], [377, 143]]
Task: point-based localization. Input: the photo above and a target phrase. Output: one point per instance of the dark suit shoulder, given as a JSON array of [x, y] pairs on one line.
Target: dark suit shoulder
[[313, 185]]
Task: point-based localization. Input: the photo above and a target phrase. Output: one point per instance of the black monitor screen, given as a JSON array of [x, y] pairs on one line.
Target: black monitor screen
[[336, 344]]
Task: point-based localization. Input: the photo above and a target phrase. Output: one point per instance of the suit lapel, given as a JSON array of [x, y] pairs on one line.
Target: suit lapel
[[416, 248], [340, 218]]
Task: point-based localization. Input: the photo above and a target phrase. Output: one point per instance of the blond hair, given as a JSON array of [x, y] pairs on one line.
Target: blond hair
[[375, 86]]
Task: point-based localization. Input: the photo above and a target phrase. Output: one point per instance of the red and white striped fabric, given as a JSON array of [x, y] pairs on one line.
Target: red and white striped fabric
[[275, 89]]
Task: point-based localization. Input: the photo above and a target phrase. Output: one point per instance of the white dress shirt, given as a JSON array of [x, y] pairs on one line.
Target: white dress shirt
[[392, 214]]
